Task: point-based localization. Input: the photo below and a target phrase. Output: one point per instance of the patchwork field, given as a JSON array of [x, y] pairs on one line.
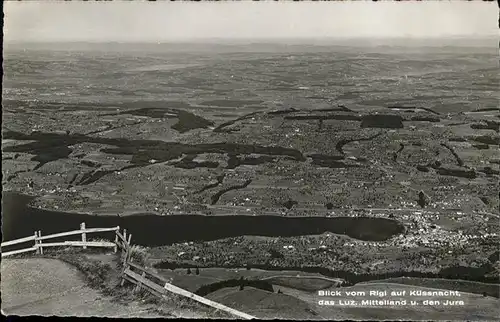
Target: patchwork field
[[352, 163]]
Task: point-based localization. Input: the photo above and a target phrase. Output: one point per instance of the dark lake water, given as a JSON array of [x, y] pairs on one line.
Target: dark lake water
[[21, 220]]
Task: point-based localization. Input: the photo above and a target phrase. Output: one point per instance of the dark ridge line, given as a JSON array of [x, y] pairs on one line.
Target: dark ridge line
[[217, 195], [422, 168], [414, 108], [142, 150], [425, 119], [354, 278], [489, 171], [73, 179], [340, 108], [457, 139], [52, 153], [41, 150], [325, 157], [219, 179], [188, 163], [487, 109], [385, 121], [90, 163], [325, 117], [401, 147], [487, 139], [317, 98], [206, 289], [460, 162], [156, 105], [468, 174], [481, 146], [457, 124], [110, 128], [93, 176], [281, 112], [396, 154], [339, 146], [225, 103], [234, 161], [115, 113], [186, 121], [219, 129], [485, 201], [490, 125]]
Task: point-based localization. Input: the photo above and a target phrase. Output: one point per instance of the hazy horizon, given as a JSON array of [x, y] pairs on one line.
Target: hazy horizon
[[223, 22], [277, 40]]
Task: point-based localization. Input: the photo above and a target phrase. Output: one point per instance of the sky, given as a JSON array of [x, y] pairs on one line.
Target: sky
[[138, 21]]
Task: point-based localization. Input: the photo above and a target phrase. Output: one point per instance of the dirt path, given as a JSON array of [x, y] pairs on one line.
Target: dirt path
[[48, 287]]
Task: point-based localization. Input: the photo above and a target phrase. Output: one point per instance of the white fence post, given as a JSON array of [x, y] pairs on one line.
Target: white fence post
[[116, 239], [129, 255], [36, 243], [84, 235], [125, 267], [40, 248]]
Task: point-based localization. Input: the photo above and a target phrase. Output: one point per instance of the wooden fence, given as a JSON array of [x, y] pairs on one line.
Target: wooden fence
[[157, 285], [144, 278], [132, 272], [39, 243]]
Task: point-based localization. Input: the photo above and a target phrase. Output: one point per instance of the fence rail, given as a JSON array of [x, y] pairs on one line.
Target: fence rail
[[142, 281], [155, 284], [119, 235], [180, 291], [39, 245], [18, 241], [20, 251], [77, 232], [79, 243], [148, 272]]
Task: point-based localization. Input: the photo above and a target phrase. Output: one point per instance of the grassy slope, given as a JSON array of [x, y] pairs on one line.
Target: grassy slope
[[101, 272], [263, 304], [50, 287]]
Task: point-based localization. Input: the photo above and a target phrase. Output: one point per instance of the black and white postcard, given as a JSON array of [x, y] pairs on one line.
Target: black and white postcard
[[310, 160]]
